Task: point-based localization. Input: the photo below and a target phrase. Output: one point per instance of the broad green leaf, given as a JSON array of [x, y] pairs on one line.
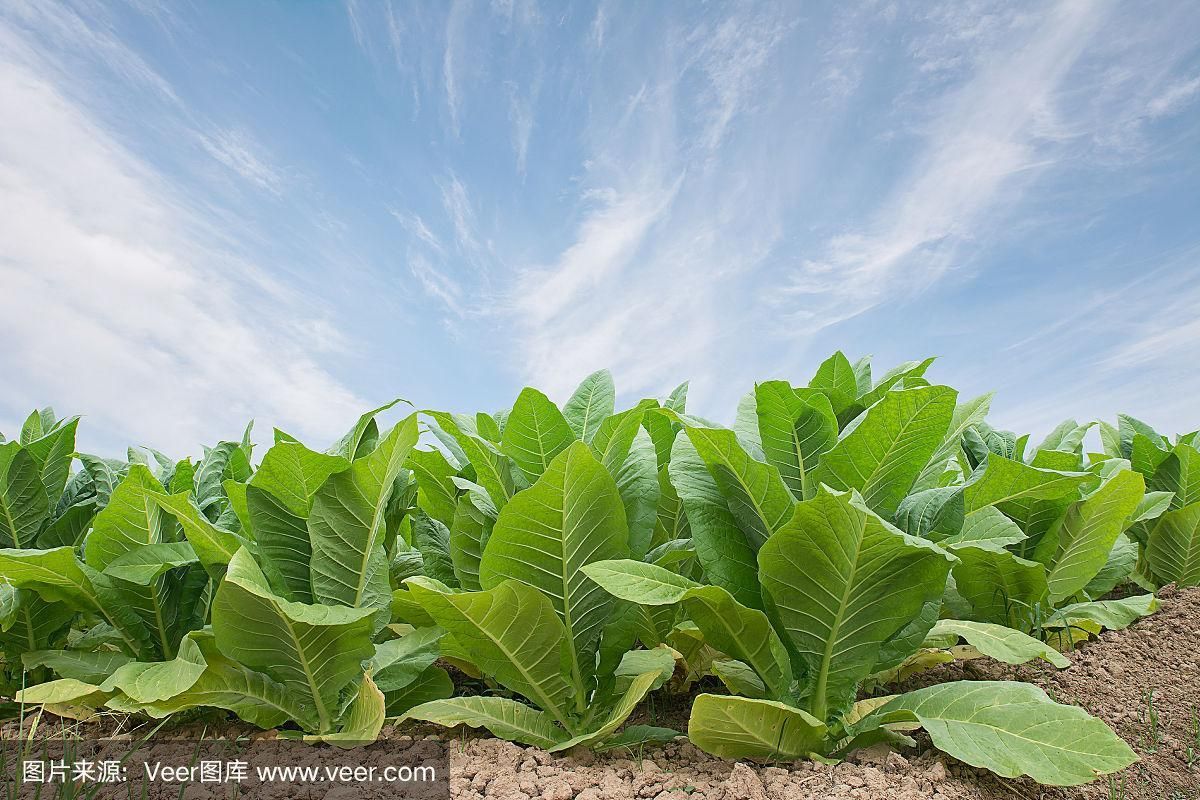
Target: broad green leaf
[[513, 634], [621, 709], [432, 684], [1005, 481], [933, 514], [637, 483], [144, 564], [1078, 546], [762, 730], [633, 737], [843, 582], [436, 493], [966, 414], [753, 491], [1128, 427], [66, 691], [569, 518], [999, 586], [988, 527], [1121, 561], [1000, 642], [214, 546], [57, 575], [740, 678], [347, 525], [883, 455], [131, 519], [80, 665], [493, 469], [225, 683], [505, 718], [902, 374], [53, 452], [1173, 551], [30, 624], [721, 547], [835, 379], [23, 502], [795, 431], [639, 582], [1179, 473], [293, 474], [399, 662], [1013, 729], [535, 433], [362, 438], [313, 650], [590, 404], [1111, 614], [474, 520], [432, 539], [282, 544], [616, 434], [363, 719]]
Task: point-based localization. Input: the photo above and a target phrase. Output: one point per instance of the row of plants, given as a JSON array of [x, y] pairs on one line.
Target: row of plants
[[565, 563]]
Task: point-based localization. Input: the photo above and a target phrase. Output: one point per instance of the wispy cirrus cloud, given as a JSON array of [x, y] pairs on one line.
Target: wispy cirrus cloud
[[120, 301]]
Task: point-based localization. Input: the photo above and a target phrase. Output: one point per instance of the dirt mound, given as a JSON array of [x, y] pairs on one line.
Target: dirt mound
[[1143, 681]]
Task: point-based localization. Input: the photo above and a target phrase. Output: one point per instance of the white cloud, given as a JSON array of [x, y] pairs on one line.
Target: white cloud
[[1174, 98], [238, 150], [119, 304], [983, 137]]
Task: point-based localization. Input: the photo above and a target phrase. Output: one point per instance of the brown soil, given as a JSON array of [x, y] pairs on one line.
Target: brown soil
[[1149, 672]]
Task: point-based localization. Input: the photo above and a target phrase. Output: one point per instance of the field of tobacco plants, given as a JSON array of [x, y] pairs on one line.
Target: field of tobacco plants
[[540, 572]]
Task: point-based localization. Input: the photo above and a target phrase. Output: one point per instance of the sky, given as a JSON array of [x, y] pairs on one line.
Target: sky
[[293, 212]]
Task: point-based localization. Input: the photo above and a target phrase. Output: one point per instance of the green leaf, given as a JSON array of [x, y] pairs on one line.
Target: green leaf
[[505, 718], [535, 433], [474, 520], [594, 400], [1121, 561], [1013, 729], [1078, 546], [293, 474], [214, 546], [637, 483], [638, 582], [795, 431], [740, 678], [999, 586], [762, 730], [436, 492], [1173, 550], [493, 469], [313, 650], [53, 452], [1111, 614], [363, 719], [23, 502], [347, 525], [432, 684], [966, 414], [989, 528], [513, 634], [569, 518], [362, 438], [933, 514], [282, 544], [883, 455], [82, 666], [131, 519], [144, 564], [634, 694], [1179, 473], [843, 582], [432, 539], [399, 662], [754, 491], [835, 379], [1005, 481], [999, 642], [721, 547]]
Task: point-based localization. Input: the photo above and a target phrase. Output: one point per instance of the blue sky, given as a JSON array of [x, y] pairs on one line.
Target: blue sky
[[295, 211]]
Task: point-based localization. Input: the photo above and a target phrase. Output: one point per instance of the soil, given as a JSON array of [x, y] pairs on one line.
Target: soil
[[1143, 681]]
